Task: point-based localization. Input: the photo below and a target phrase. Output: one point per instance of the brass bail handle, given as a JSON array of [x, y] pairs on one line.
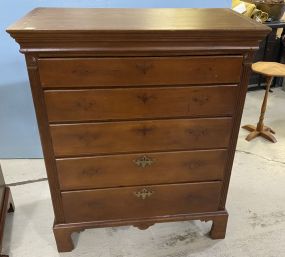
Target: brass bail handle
[[144, 161], [144, 193]]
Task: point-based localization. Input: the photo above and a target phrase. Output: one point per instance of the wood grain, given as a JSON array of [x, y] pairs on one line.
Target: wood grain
[[142, 19], [270, 69], [139, 103], [43, 125], [90, 72], [104, 204], [140, 136], [140, 30], [138, 51], [122, 170], [246, 71]]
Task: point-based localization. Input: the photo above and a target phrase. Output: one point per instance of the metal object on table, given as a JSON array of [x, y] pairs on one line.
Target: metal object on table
[[274, 10]]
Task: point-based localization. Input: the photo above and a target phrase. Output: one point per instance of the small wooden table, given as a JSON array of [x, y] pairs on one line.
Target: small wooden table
[[270, 70]]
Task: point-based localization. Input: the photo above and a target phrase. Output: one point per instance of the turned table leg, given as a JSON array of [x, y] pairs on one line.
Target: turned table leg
[[260, 129], [219, 227]]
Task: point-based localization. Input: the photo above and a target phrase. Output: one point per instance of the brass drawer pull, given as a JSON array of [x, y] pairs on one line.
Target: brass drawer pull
[[144, 161], [144, 193]]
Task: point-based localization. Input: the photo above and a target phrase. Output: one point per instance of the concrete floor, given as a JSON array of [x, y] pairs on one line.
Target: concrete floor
[[256, 204]]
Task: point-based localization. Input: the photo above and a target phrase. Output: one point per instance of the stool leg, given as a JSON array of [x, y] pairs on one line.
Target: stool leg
[[260, 124], [260, 129], [249, 127], [269, 129], [252, 135], [267, 135]]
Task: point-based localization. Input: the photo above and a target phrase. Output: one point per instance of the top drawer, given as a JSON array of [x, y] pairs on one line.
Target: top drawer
[[89, 72]]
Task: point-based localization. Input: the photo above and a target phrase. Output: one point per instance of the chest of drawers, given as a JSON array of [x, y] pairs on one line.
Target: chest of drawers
[[138, 111]]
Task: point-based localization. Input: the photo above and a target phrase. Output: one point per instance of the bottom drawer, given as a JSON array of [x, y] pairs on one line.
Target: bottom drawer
[[140, 202]]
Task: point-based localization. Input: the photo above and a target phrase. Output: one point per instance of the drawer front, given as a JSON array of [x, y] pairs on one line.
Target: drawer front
[[88, 72], [140, 136], [140, 202], [140, 169], [111, 104]]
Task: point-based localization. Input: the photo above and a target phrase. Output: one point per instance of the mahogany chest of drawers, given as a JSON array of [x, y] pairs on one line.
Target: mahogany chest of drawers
[[138, 111]]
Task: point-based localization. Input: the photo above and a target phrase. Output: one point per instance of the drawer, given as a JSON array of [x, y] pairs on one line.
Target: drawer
[[140, 136], [89, 72], [140, 169], [130, 103], [140, 202]]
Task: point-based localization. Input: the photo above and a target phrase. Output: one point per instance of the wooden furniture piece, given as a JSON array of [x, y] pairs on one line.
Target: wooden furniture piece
[[6, 206], [270, 70], [138, 111]]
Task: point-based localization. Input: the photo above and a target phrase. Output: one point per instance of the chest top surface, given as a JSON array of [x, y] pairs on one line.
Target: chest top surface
[[164, 19], [82, 28]]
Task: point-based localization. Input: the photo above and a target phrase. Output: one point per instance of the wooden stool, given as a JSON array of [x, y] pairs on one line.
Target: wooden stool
[[270, 70]]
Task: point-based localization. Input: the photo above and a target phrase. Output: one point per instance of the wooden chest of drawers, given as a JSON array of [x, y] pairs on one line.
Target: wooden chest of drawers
[[138, 111]]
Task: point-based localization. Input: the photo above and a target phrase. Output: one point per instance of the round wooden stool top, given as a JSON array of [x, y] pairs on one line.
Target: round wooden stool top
[[270, 69]]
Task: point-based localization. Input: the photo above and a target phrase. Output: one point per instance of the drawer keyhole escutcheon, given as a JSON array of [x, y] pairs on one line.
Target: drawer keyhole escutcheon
[[144, 161], [144, 67], [201, 100], [145, 97], [144, 193]]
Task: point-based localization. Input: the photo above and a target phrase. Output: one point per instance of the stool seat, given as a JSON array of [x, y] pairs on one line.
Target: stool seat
[[271, 69]]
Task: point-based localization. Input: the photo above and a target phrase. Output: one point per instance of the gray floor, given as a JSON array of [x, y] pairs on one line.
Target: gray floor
[[256, 204]]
